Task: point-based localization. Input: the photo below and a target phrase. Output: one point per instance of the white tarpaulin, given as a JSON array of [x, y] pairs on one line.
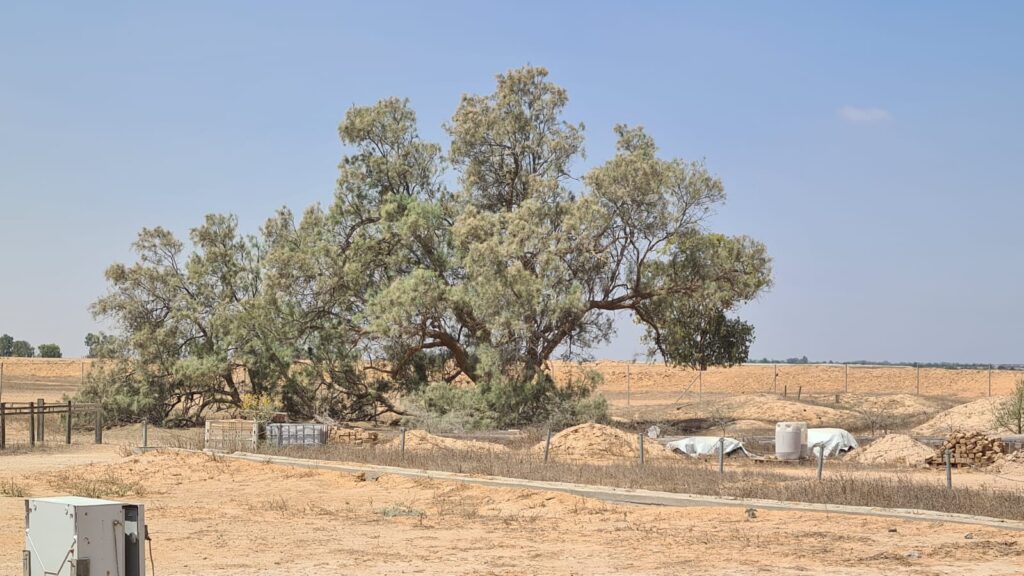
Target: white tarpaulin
[[834, 440], [704, 446]]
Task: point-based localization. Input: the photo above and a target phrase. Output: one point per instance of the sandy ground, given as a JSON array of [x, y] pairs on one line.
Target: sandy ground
[[233, 518]]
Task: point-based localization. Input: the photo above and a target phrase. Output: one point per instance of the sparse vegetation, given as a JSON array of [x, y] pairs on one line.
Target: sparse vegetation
[[109, 484], [10, 487], [1009, 413]]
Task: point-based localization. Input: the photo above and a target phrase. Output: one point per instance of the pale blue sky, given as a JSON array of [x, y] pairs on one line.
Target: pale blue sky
[[875, 148]]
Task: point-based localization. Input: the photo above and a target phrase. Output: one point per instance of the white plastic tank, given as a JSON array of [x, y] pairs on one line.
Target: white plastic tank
[[790, 440]]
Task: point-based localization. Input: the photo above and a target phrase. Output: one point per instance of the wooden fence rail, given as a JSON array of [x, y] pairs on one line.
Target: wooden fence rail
[[37, 412]]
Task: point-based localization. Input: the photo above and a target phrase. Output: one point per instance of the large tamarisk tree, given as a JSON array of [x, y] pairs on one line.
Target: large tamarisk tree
[[482, 260]]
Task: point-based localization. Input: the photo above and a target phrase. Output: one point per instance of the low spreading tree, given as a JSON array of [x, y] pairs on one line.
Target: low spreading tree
[[49, 351], [22, 349], [477, 264]]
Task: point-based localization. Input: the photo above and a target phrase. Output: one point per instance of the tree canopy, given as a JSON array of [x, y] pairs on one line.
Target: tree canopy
[[49, 351], [482, 261]]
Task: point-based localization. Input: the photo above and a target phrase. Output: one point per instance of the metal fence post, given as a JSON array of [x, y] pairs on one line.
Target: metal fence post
[[99, 424], [145, 433], [990, 380], [721, 455], [67, 427], [775, 379], [3, 425], [547, 446], [700, 385], [629, 382], [799, 392], [846, 379], [917, 376], [821, 460], [949, 470], [641, 448], [401, 443]]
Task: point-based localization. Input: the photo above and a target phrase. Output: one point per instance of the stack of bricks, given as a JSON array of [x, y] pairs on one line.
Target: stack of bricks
[[968, 449], [347, 435]]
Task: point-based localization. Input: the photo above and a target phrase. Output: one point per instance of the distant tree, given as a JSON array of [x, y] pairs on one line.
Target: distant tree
[[101, 345], [49, 351], [6, 345], [22, 349]]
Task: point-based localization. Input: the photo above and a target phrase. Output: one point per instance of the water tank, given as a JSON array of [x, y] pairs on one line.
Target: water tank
[[790, 440]]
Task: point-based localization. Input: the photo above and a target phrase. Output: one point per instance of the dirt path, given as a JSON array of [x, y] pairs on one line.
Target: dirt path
[[228, 518]]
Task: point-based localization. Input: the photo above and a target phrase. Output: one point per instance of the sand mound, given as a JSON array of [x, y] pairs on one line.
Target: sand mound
[[421, 440], [905, 405], [975, 416], [597, 443], [893, 450], [772, 409]]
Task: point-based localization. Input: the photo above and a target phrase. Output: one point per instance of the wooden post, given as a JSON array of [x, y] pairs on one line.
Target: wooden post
[[3, 425], [775, 380], [700, 385], [917, 374], [401, 443], [785, 390], [99, 424], [41, 423], [799, 391], [547, 446], [641, 448], [1, 381], [83, 372], [846, 379], [990, 380], [31, 424], [67, 428]]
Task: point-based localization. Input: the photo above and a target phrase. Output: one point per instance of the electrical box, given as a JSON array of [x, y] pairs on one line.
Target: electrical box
[[73, 536]]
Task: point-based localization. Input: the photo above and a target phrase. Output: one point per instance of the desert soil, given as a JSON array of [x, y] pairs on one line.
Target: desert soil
[[228, 518]]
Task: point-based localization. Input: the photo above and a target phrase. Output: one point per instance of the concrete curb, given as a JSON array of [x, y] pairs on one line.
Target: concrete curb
[[617, 495]]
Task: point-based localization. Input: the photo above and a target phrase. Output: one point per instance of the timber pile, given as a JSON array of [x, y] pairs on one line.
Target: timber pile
[[968, 449]]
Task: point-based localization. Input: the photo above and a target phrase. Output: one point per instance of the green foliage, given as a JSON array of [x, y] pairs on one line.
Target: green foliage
[[102, 345], [22, 349], [402, 281], [124, 396], [49, 351], [446, 407], [1009, 413], [6, 345]]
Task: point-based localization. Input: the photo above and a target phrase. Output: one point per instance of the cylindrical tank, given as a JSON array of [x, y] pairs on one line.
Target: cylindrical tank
[[790, 440]]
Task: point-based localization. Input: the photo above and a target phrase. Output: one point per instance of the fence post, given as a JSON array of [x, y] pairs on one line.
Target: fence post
[[145, 433], [846, 379], [641, 448], [99, 424], [629, 383], [775, 380], [547, 445], [1, 380], [31, 424], [990, 380], [949, 470], [917, 375], [785, 390], [821, 460], [700, 385], [40, 435], [67, 428], [3, 425], [799, 391], [721, 455], [401, 443]]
